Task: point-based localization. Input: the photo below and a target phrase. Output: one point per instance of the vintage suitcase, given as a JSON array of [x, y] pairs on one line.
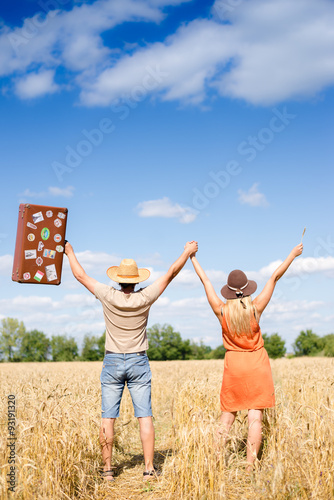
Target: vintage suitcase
[[39, 248]]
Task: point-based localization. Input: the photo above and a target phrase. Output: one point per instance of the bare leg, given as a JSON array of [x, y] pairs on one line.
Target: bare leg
[[147, 439], [106, 441], [254, 436], [226, 420]]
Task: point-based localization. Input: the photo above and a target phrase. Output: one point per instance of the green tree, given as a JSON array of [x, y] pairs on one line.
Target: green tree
[[329, 345], [166, 344], [308, 344], [101, 341], [91, 349], [35, 346], [11, 334], [200, 351], [218, 353], [274, 345], [63, 348]]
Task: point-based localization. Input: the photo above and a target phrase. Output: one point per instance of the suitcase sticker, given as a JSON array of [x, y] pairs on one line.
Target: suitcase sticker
[[39, 248]]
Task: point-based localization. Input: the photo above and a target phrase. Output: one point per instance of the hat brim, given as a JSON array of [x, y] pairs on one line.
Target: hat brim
[[143, 274], [227, 293]]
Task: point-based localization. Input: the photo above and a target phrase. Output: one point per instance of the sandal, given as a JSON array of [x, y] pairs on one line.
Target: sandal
[[107, 473], [151, 473]]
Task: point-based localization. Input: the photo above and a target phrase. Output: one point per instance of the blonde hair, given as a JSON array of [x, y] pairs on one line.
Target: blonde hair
[[238, 314]]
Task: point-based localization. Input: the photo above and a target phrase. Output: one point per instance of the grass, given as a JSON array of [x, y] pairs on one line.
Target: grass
[[58, 417]]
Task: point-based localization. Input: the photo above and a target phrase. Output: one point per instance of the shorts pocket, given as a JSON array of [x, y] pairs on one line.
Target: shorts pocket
[[108, 373], [140, 370]]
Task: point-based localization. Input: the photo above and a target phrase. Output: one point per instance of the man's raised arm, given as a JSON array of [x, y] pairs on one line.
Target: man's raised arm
[[190, 248], [77, 269]]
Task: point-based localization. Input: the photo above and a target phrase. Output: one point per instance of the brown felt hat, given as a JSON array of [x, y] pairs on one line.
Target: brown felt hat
[[238, 286], [128, 272]]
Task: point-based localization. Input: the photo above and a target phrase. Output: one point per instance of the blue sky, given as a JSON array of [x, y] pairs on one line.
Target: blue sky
[[156, 122]]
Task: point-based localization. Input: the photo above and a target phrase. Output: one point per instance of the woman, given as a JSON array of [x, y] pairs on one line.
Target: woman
[[247, 380]]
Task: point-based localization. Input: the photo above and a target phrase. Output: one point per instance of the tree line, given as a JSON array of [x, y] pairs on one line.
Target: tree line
[[18, 344]]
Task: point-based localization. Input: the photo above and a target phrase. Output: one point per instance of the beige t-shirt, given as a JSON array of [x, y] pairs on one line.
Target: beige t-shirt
[[126, 315]]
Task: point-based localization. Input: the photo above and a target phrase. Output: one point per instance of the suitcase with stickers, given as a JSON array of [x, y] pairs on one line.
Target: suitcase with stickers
[[39, 248]]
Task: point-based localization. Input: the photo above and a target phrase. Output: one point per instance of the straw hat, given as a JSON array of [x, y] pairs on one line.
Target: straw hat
[[128, 272], [238, 286]]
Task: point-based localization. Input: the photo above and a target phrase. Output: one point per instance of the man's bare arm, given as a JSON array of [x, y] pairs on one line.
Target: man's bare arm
[[190, 248], [78, 271]]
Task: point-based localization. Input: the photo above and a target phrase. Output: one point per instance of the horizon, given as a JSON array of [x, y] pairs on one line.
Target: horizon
[[158, 122]]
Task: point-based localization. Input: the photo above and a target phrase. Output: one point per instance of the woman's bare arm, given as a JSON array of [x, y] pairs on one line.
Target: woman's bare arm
[[212, 297], [262, 300]]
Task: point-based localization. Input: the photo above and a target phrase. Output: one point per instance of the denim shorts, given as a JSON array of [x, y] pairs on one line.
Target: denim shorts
[[119, 369]]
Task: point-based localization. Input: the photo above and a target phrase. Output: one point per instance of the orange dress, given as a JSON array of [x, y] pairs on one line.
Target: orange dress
[[247, 379]]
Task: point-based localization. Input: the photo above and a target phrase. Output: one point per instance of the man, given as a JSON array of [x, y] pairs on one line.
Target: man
[[126, 313]]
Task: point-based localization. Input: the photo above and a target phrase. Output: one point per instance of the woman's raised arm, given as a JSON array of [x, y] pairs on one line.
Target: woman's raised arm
[[262, 300], [212, 297]]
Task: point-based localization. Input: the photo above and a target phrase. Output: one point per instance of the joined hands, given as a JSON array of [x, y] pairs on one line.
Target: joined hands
[[191, 247]]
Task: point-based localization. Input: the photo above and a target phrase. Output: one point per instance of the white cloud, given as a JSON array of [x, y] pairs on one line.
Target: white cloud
[[189, 278], [64, 192], [207, 340], [279, 307], [6, 264], [99, 261], [163, 301], [265, 53], [282, 50], [252, 197], [191, 306], [96, 265], [314, 265], [296, 314], [166, 208], [78, 314], [288, 318], [271, 60], [177, 68], [54, 316], [150, 259], [27, 302], [55, 191], [302, 267], [36, 85], [71, 38]]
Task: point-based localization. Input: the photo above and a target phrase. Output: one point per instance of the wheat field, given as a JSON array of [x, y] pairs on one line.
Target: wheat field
[[57, 450]]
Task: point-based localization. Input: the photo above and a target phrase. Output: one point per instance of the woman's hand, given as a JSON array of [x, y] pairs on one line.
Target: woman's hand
[[191, 247], [297, 250]]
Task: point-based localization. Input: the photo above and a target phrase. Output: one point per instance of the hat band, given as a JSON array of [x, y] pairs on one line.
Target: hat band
[[235, 289], [128, 275]]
